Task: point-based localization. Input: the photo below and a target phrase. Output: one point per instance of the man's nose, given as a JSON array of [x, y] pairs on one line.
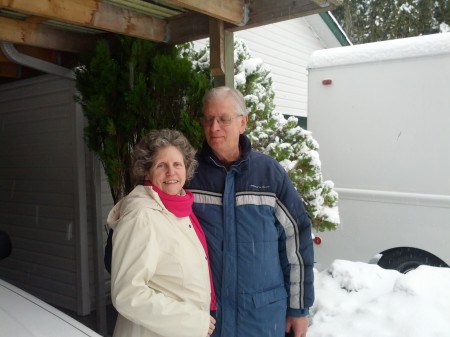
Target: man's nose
[[215, 124]]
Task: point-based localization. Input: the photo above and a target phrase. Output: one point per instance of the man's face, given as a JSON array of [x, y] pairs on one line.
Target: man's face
[[222, 126]]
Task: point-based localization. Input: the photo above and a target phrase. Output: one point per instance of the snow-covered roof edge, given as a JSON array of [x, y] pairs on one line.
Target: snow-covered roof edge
[[328, 30], [424, 45], [336, 28]]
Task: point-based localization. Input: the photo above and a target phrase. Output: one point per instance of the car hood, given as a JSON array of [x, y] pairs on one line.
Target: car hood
[[24, 315]]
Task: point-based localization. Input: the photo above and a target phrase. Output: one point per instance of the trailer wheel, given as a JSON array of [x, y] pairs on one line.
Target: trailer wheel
[[405, 259]]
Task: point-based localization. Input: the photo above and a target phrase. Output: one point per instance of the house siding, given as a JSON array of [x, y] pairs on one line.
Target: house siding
[[286, 47], [42, 194]]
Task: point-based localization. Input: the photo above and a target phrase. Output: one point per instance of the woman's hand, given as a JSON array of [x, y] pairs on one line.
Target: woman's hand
[[212, 325]]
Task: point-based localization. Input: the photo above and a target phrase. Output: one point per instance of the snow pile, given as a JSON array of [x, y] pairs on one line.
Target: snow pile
[[355, 299]]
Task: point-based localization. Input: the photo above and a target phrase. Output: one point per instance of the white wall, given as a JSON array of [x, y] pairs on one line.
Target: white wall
[[286, 47]]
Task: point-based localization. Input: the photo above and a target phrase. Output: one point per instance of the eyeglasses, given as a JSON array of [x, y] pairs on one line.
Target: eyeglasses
[[221, 120]]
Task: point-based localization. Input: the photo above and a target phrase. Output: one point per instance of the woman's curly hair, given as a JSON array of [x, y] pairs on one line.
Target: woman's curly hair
[[145, 152]]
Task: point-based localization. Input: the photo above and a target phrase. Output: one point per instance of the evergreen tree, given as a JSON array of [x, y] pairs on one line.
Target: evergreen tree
[[129, 86], [281, 138], [369, 21]]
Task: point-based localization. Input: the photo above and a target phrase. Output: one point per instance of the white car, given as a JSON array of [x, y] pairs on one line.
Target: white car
[[24, 315]]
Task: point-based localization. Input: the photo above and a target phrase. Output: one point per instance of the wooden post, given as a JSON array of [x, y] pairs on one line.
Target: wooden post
[[221, 54]]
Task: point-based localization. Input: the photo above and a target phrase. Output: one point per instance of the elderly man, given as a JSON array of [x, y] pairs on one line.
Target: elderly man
[[258, 232]]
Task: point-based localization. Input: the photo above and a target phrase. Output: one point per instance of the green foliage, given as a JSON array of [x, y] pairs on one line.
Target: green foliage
[[129, 86], [370, 21], [296, 150], [254, 79]]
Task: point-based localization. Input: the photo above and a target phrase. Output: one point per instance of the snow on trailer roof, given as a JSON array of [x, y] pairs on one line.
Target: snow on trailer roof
[[425, 45]]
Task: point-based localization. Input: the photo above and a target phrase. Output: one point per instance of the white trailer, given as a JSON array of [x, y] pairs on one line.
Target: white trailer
[[381, 115]]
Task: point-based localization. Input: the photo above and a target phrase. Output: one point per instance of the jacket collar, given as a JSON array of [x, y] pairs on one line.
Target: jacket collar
[[244, 143]]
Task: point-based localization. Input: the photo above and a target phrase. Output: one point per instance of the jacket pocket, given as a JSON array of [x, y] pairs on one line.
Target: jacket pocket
[[269, 296]]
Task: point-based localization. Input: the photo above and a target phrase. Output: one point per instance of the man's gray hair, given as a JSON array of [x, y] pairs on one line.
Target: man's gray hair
[[234, 94]]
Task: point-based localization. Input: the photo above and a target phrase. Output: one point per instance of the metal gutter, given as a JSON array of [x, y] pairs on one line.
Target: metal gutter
[[32, 62]]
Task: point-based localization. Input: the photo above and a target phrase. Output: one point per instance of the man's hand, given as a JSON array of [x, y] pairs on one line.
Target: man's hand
[[297, 326]]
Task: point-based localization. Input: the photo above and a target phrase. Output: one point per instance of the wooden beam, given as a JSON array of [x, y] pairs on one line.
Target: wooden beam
[[35, 19], [263, 12], [3, 58], [187, 27], [328, 3], [216, 48], [232, 11], [94, 14], [193, 26], [32, 34], [48, 55], [9, 69], [221, 51]]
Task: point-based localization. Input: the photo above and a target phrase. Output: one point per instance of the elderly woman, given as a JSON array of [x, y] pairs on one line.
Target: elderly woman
[[160, 276]]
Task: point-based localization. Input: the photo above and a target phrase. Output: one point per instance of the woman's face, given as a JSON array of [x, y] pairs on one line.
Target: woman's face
[[168, 172]]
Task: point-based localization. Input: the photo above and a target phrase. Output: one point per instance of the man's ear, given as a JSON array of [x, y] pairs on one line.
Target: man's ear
[[244, 120]]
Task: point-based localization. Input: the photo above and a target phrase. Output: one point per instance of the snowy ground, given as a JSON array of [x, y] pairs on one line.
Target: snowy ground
[[355, 299]]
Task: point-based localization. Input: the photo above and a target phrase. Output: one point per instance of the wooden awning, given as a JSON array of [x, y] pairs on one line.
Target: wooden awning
[[56, 30]]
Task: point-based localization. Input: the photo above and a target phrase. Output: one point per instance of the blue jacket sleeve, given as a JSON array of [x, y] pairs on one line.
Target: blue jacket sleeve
[[296, 252]]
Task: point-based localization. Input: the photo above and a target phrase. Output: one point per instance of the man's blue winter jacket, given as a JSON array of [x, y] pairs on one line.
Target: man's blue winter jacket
[[259, 239]]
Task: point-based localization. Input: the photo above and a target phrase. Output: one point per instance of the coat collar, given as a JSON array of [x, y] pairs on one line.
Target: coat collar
[[245, 148]]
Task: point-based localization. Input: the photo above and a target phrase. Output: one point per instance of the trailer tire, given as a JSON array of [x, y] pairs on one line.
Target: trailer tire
[[405, 259]]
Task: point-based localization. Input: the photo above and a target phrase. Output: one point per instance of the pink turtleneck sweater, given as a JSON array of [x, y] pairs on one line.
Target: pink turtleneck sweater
[[181, 206]]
